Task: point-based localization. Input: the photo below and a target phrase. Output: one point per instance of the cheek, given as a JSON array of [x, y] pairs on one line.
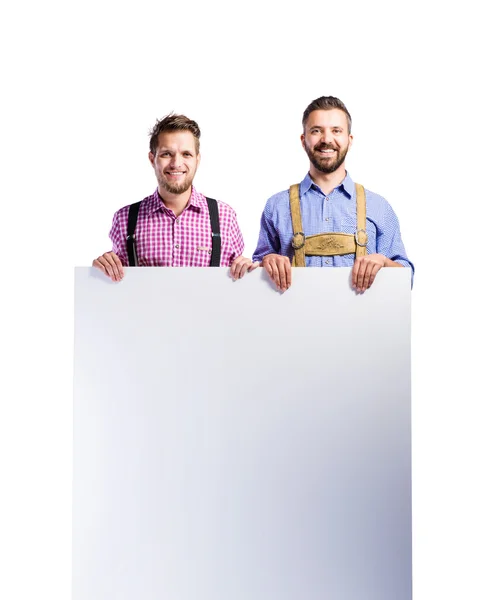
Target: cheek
[[309, 144]]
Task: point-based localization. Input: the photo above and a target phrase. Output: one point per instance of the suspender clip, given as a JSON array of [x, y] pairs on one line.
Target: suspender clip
[[297, 244], [364, 237]]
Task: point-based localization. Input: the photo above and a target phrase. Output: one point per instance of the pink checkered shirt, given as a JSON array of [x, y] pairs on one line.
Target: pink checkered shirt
[[164, 240]]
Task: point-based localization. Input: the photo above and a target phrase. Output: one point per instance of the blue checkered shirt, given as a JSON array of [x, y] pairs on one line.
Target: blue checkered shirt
[[327, 214]]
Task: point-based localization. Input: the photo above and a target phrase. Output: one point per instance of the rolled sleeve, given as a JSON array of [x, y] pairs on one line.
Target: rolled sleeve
[[117, 235], [235, 239], [268, 240], [389, 242]]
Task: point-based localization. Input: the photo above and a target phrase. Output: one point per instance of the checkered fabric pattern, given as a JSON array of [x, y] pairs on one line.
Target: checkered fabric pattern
[[327, 214], [164, 240]]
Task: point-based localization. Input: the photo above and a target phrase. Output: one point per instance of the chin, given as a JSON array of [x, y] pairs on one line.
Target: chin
[[181, 189]]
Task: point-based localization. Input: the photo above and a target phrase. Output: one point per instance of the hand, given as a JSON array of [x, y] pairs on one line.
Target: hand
[[241, 265], [279, 269], [365, 270], [110, 265]]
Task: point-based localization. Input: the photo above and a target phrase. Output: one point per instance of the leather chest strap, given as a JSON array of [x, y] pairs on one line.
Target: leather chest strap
[[298, 238], [361, 233]]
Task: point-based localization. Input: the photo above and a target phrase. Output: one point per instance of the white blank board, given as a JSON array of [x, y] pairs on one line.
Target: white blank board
[[235, 443]]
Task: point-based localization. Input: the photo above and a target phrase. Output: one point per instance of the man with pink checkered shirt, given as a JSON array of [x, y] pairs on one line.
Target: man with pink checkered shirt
[[175, 226]]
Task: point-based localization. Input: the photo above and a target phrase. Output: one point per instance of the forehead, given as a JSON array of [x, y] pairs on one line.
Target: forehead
[[327, 119], [178, 140]]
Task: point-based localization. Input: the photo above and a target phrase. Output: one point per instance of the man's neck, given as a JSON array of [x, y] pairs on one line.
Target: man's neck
[[327, 182], [175, 202]]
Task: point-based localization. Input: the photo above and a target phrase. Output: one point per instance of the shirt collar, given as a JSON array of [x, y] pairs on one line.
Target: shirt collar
[[196, 201], [155, 203], [347, 186]]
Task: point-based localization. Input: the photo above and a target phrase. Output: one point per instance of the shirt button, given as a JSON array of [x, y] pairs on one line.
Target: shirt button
[[176, 246], [327, 218], [327, 262]]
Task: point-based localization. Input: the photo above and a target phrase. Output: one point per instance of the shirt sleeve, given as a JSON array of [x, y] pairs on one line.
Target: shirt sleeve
[[118, 237], [268, 240], [389, 242], [234, 242]]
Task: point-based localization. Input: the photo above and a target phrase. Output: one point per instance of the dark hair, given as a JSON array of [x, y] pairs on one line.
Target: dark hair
[[174, 122], [326, 103]]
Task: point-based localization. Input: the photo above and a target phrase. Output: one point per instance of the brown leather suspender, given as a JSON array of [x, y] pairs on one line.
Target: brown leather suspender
[[327, 244]]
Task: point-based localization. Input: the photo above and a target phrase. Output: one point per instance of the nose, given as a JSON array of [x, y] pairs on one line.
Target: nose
[[326, 137], [176, 160]]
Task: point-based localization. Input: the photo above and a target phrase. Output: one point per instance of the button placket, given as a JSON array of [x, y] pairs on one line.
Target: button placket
[[177, 242], [327, 215]]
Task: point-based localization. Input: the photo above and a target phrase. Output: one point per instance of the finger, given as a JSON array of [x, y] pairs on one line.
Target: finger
[[253, 266], [282, 275], [99, 264], [360, 275], [244, 268], [234, 267], [108, 267], [355, 272], [118, 264], [288, 272], [275, 274], [375, 270], [115, 263], [367, 276]]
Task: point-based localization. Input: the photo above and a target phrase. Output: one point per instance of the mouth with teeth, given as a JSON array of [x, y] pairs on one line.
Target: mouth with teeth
[[175, 174], [326, 158], [325, 150]]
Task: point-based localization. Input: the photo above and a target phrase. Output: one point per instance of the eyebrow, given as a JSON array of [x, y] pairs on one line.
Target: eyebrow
[[328, 127], [164, 149]]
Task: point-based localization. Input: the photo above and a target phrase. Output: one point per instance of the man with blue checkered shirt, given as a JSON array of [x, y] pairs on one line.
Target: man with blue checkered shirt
[[328, 220]]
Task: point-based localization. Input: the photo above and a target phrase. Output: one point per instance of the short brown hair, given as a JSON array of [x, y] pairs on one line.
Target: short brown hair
[[326, 103], [174, 122]]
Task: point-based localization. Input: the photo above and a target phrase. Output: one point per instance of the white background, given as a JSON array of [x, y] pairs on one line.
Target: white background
[[83, 83]]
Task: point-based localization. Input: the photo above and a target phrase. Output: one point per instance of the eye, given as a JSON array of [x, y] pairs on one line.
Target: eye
[[164, 154], [188, 154], [337, 131], [315, 130]]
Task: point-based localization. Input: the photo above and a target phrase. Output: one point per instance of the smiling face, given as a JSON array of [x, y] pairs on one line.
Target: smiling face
[[175, 161], [326, 139]]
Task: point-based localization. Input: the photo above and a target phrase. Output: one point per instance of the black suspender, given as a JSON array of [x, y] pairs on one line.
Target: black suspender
[[131, 247], [213, 210]]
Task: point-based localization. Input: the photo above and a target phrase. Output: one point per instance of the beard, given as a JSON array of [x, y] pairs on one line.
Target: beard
[[175, 188], [329, 164]]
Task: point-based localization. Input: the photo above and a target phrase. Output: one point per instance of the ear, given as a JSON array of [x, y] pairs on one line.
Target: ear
[[151, 158], [302, 141], [198, 159]]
